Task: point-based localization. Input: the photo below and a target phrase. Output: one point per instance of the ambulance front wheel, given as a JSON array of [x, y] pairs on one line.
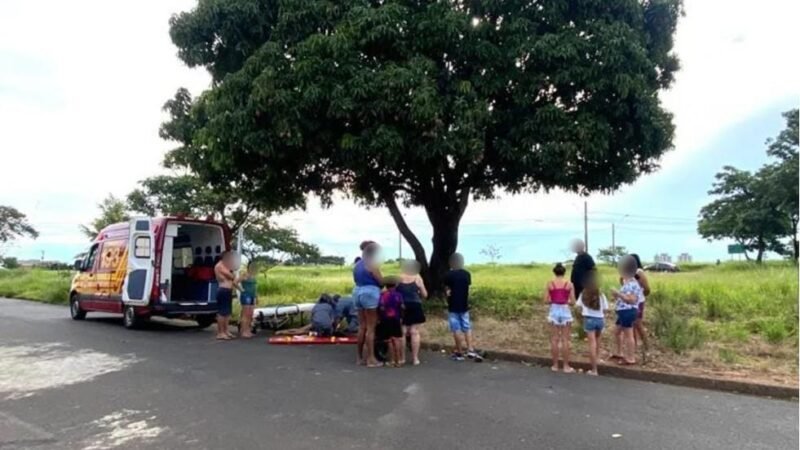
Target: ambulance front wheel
[[75, 308], [205, 320], [130, 319]]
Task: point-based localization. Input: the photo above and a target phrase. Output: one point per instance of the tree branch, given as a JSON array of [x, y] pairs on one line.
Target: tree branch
[[400, 221]]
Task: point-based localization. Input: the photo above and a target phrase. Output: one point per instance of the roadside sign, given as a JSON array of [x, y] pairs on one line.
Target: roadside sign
[[734, 249]]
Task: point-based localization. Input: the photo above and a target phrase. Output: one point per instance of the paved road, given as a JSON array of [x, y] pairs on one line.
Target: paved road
[[95, 385]]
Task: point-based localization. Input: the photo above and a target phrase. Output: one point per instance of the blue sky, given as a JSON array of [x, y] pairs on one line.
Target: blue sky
[[80, 117]]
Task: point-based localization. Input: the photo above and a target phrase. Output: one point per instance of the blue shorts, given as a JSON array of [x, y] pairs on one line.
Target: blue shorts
[[591, 324], [366, 297], [626, 317], [459, 322], [224, 302], [247, 299], [560, 315]]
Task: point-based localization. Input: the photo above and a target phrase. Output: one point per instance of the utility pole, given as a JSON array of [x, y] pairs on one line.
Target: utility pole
[[585, 227], [613, 244], [399, 247]]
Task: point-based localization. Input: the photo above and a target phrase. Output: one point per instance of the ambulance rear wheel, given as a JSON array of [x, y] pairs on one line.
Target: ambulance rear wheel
[[130, 319], [75, 309], [205, 321]]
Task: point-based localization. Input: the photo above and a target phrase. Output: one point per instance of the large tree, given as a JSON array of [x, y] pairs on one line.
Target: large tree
[[112, 210], [14, 225], [424, 103], [783, 177], [744, 211]]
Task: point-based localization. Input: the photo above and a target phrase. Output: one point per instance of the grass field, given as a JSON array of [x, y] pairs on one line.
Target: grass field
[[734, 320]]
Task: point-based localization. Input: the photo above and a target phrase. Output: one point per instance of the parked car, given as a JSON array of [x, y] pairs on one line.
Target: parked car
[[151, 267], [662, 267]]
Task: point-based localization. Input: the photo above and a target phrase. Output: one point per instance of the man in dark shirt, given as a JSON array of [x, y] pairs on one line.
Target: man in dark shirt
[[581, 267], [457, 281]]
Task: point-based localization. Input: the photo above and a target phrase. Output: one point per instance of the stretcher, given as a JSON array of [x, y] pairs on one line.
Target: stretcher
[[276, 317], [311, 340]]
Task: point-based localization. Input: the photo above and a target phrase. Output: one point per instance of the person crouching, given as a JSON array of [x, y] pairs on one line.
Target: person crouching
[[323, 316]]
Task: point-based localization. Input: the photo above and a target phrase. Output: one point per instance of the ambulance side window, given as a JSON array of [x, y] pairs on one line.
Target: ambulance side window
[[90, 258]]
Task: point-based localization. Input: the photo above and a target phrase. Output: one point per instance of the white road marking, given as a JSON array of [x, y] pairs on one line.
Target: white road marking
[[34, 367], [123, 428]]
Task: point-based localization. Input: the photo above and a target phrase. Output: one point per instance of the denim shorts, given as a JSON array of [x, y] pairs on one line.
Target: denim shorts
[[224, 298], [459, 322], [366, 297], [626, 317], [560, 315], [591, 324], [246, 299]]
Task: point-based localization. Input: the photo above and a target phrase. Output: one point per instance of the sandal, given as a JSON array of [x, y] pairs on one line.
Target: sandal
[[626, 363]]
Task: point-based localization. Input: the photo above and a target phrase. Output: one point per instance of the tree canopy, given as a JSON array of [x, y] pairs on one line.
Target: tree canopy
[[112, 210], [758, 210], [14, 225], [424, 103]]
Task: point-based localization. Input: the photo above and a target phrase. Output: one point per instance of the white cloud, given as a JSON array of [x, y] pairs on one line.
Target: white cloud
[[82, 84]]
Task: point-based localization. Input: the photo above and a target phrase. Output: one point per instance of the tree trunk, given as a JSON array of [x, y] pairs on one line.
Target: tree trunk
[[760, 254], [445, 243], [445, 217]]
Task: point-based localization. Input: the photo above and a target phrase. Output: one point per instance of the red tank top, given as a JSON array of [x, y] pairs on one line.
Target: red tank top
[[559, 295]]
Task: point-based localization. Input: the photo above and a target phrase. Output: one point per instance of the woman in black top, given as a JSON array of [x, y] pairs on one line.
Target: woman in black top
[[413, 290]]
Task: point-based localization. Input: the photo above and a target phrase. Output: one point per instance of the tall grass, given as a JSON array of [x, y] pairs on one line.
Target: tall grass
[[730, 303]]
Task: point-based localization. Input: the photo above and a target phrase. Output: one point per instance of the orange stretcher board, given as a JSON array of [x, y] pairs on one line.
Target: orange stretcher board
[[311, 340]]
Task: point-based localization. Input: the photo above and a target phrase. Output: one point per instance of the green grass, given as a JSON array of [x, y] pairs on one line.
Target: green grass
[[731, 303]]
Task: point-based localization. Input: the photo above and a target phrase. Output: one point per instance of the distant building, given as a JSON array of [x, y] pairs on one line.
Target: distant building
[[662, 257], [684, 258]]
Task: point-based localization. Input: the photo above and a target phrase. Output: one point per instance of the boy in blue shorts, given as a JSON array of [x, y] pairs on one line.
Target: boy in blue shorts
[[457, 281]]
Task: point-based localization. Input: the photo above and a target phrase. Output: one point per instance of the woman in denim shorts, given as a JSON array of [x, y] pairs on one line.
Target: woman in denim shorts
[[593, 305], [559, 293], [627, 306], [368, 279]]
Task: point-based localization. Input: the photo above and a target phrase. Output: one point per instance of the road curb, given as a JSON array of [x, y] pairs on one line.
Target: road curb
[[693, 381]]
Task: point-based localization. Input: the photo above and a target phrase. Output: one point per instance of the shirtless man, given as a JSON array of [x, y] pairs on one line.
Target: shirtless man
[[226, 279]]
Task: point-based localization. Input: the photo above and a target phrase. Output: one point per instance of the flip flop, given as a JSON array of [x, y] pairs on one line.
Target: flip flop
[[615, 357], [626, 363], [569, 370]]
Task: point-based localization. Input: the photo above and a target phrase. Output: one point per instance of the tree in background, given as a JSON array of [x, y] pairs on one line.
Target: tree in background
[[423, 103], [758, 210], [14, 225], [611, 255], [782, 177], [112, 210], [492, 252], [9, 263], [189, 195], [265, 242]]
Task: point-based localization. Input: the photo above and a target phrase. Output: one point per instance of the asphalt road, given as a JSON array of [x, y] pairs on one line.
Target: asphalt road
[[95, 385]]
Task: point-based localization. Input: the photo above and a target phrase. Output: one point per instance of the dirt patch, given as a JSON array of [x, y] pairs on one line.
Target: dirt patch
[[755, 361]]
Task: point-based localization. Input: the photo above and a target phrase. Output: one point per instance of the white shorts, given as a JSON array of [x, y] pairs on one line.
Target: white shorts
[[560, 315]]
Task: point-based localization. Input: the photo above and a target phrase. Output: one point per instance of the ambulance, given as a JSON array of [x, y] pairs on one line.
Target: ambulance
[[151, 267]]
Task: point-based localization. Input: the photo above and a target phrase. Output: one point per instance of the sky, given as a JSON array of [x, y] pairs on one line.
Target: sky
[[82, 84]]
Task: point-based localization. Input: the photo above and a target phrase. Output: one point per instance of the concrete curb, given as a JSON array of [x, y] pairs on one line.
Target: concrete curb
[[714, 384]]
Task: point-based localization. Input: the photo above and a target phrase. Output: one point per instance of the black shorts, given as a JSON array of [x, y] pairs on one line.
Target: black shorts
[[224, 302], [413, 314], [391, 328]]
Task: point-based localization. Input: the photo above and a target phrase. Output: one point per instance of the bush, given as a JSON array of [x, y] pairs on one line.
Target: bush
[[677, 331], [774, 331]]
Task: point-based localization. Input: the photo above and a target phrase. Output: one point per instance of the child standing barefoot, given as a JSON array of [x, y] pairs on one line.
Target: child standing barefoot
[[559, 293], [593, 305], [627, 306]]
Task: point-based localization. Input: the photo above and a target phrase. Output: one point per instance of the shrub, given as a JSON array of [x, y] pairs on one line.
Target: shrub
[[676, 331], [774, 331]]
